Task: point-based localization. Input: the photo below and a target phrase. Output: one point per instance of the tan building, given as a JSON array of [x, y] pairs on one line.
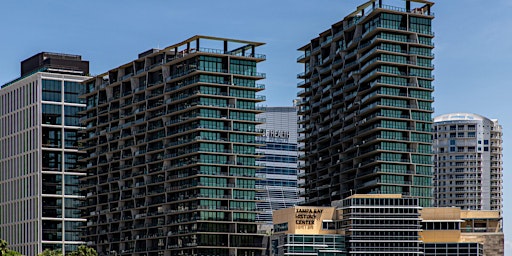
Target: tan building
[[386, 219]]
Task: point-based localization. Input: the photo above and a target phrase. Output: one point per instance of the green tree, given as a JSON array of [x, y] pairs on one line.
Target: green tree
[[3, 247], [5, 251], [12, 253], [49, 252], [84, 251]]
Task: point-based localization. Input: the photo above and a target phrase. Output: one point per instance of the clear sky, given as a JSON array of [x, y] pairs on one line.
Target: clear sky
[[473, 44]]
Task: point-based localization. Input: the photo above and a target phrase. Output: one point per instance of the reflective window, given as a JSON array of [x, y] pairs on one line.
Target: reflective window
[[71, 185], [72, 91], [70, 161], [52, 90], [72, 118], [72, 230], [71, 208], [52, 161], [52, 137], [52, 230], [71, 138], [279, 159], [52, 114], [52, 207]]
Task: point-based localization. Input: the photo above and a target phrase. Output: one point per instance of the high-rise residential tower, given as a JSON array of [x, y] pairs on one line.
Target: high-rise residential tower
[[366, 104], [468, 163], [39, 173], [279, 184], [171, 151]]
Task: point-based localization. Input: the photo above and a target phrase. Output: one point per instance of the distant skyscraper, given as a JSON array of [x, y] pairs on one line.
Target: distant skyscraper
[[171, 151], [279, 183], [468, 163], [365, 112], [39, 173]]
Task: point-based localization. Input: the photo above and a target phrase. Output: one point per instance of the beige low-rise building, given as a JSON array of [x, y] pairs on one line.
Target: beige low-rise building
[[364, 223]]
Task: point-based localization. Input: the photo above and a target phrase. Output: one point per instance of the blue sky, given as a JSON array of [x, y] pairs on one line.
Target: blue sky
[[473, 43]]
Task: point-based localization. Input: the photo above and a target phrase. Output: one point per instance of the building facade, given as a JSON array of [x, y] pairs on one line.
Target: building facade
[[279, 184], [39, 169], [366, 104], [468, 162], [380, 224], [171, 151], [385, 224]]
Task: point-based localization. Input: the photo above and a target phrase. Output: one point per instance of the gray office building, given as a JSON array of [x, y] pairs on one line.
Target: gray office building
[[39, 173], [279, 175]]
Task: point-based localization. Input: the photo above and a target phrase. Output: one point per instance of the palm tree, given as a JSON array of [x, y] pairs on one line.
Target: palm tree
[[84, 251]]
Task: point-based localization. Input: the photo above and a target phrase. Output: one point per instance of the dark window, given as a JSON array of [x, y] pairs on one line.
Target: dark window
[[52, 90], [52, 184], [72, 91], [71, 185], [52, 230], [71, 138], [52, 161], [52, 114], [71, 208], [52, 137], [72, 116]]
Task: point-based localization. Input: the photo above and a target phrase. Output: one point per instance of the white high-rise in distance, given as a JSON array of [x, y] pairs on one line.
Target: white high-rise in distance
[[468, 164]]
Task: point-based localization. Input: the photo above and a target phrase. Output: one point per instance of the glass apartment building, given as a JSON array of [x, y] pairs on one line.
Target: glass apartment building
[[171, 151], [365, 108], [39, 172], [279, 175], [468, 163]]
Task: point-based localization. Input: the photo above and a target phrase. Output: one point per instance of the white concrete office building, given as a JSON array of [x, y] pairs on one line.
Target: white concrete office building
[[39, 173], [279, 184], [468, 162]]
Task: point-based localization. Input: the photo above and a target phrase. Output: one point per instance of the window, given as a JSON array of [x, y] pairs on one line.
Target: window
[[71, 138], [52, 114], [72, 118], [52, 161], [281, 227], [212, 64], [52, 137], [52, 90], [328, 225], [71, 92], [243, 67]]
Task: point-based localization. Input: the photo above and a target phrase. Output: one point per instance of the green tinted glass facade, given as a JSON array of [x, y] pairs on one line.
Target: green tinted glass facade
[[366, 106], [170, 148]]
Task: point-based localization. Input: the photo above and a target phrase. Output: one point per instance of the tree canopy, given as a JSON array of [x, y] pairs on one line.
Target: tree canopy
[[81, 251], [84, 251], [5, 251], [49, 252]]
